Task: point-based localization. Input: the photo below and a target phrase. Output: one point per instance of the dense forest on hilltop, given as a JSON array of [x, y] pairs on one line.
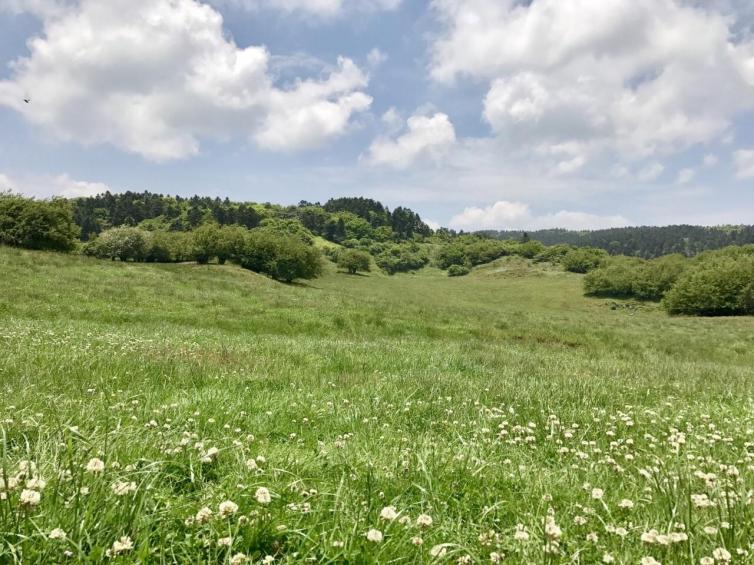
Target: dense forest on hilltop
[[646, 241]]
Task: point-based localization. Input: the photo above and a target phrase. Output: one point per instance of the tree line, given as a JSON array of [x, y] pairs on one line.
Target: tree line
[[646, 242]]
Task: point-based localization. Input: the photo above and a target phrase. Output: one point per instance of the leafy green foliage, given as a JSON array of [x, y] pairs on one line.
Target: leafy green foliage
[[284, 258], [583, 260], [402, 258], [458, 270], [354, 261], [37, 224], [122, 243], [716, 286]]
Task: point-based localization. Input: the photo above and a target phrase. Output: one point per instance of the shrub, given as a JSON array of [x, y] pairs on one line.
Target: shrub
[[553, 253], [458, 270], [402, 258], [614, 279], [284, 258], [169, 246], [628, 277], [37, 224], [353, 261], [583, 259], [122, 243], [718, 286]]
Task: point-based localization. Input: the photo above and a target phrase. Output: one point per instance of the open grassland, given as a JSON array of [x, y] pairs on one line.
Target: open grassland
[[192, 414]]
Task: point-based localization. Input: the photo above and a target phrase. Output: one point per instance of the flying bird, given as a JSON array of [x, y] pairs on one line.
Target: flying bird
[[27, 100]]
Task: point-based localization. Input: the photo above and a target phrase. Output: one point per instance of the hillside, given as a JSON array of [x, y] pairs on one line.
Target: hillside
[[470, 400]]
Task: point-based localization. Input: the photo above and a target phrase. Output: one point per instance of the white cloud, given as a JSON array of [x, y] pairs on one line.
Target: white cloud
[[744, 163], [503, 215], [432, 224], [710, 160], [375, 57], [155, 77], [685, 176], [426, 136], [650, 172], [322, 8], [45, 186], [621, 77]]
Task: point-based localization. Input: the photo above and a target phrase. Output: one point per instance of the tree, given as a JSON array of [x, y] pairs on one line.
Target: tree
[[37, 224], [353, 261], [284, 258], [124, 243], [583, 259], [206, 242]]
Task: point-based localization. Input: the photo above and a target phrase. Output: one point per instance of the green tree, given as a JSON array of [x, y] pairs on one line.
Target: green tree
[[124, 243], [353, 261], [37, 224]]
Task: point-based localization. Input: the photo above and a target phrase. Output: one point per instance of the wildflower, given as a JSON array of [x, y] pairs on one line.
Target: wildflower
[[239, 559], [225, 542], [721, 554], [57, 533], [338, 543], [597, 493], [608, 558], [706, 561], [388, 513], [36, 484], [268, 559], [204, 515], [439, 551], [30, 497], [552, 530], [228, 508], [592, 537], [374, 536], [122, 545], [710, 530], [465, 560], [263, 496], [521, 534], [424, 520], [417, 541], [95, 465], [626, 504], [649, 561], [496, 557], [121, 488]]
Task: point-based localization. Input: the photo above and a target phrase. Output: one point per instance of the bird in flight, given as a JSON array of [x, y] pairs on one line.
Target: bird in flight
[[27, 100]]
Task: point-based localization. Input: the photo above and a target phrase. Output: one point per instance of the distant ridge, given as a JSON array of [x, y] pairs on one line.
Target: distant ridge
[[642, 241]]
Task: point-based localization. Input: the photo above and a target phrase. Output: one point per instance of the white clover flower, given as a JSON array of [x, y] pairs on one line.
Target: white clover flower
[[521, 534], [203, 515], [239, 559], [626, 504], [706, 561], [496, 557], [439, 550], [592, 537], [122, 545], [57, 533], [228, 508], [608, 558], [263, 496], [374, 535], [721, 554], [95, 465], [338, 543], [597, 493], [388, 513], [30, 497], [225, 542], [417, 541], [552, 530], [710, 530], [123, 488], [649, 560], [424, 520]]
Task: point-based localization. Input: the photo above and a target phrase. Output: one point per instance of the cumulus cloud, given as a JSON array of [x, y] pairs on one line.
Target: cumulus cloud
[[618, 76], [155, 77], [326, 8], [744, 163], [45, 186], [424, 137], [650, 172], [503, 215]]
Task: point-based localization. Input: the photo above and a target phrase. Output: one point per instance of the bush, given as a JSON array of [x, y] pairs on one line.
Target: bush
[[584, 259], [37, 224], [458, 270], [122, 243], [284, 258], [402, 258], [169, 247], [718, 286], [353, 261], [211, 241], [627, 277]]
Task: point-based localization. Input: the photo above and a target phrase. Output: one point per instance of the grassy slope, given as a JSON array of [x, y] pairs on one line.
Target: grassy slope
[[421, 368]]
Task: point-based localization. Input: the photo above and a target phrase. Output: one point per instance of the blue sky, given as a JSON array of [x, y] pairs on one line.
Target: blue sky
[[476, 113]]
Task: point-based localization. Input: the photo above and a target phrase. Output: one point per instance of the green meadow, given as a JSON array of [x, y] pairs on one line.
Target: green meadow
[[162, 413]]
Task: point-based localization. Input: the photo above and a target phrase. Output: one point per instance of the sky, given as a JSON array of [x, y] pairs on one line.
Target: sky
[[478, 114]]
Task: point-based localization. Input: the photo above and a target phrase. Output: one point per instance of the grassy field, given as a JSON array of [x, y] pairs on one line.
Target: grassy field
[[193, 414]]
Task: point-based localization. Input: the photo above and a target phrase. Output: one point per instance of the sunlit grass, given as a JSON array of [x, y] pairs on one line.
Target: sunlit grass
[[517, 414]]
